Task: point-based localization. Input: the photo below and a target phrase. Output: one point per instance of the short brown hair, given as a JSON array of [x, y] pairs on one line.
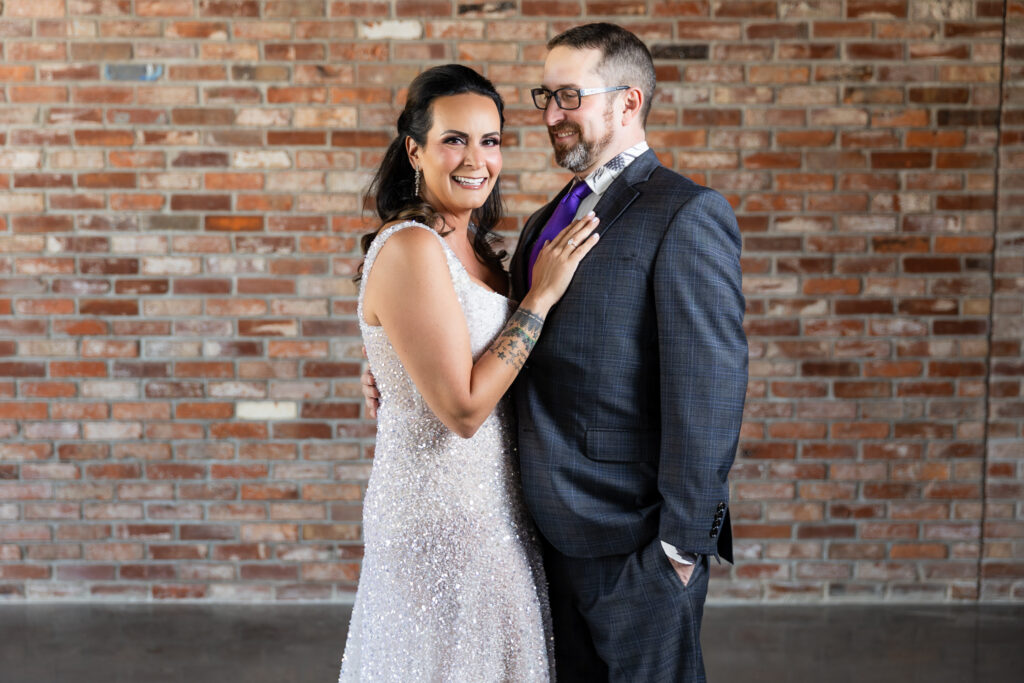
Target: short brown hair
[[625, 60]]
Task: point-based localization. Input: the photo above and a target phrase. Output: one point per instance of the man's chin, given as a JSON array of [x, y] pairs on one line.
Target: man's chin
[[571, 162], [565, 155], [563, 162], [561, 148]]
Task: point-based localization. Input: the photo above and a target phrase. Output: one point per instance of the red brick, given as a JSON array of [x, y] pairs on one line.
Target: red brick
[[362, 139], [876, 9], [297, 430], [919, 551], [109, 307], [826, 531], [34, 224], [936, 95], [200, 202], [175, 471], [976, 29], [768, 450], [204, 411]]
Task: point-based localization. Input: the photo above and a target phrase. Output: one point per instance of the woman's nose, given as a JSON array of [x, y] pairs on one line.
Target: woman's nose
[[472, 158]]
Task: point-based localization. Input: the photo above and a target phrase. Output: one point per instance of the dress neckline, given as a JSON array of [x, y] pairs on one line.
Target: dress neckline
[[465, 271]]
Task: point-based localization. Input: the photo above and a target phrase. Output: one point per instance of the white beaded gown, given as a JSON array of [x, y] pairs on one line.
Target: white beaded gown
[[452, 588]]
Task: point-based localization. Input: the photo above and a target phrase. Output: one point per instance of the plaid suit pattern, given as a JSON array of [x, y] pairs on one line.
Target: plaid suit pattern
[[630, 404]]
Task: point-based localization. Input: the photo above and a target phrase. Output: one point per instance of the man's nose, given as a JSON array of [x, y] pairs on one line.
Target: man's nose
[[553, 113]]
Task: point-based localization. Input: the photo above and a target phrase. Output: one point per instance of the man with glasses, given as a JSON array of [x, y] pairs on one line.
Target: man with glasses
[[630, 404], [629, 407]]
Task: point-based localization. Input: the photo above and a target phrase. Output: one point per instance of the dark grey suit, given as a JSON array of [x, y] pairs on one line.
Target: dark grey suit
[[629, 414]]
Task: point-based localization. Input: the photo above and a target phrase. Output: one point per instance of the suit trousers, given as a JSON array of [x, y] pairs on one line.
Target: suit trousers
[[626, 617]]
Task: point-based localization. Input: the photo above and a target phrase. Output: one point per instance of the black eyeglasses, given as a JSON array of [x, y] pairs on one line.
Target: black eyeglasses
[[568, 98]]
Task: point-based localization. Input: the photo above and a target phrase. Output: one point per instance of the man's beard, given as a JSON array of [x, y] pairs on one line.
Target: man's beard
[[581, 156]]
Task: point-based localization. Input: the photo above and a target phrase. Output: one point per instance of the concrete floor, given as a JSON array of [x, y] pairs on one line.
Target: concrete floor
[[201, 643]]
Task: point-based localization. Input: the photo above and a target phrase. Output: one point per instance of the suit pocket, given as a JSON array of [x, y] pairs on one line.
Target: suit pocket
[[622, 445]]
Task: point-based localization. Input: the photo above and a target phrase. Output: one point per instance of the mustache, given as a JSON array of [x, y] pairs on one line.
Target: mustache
[[564, 128]]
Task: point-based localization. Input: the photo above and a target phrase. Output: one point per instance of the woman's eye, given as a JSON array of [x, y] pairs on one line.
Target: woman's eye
[[454, 141], [492, 142]]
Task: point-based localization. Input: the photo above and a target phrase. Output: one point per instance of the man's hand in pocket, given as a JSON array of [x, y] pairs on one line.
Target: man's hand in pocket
[[683, 571]]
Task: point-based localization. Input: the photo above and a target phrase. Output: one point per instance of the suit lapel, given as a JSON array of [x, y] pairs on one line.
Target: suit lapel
[[530, 231]]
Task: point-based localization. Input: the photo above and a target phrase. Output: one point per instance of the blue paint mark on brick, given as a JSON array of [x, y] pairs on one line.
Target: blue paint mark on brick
[[133, 72]]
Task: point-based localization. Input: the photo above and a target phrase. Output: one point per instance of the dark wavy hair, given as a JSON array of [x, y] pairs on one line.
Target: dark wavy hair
[[393, 186]]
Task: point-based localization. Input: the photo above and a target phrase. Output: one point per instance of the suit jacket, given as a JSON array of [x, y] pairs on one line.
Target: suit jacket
[[629, 407]]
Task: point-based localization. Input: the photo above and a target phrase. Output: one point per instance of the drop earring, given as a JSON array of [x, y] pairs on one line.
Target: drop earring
[[416, 191]]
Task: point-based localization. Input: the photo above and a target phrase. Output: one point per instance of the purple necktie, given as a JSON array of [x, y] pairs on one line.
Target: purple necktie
[[561, 217]]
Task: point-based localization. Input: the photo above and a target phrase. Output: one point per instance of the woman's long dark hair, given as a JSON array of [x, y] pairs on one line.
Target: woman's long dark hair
[[393, 186]]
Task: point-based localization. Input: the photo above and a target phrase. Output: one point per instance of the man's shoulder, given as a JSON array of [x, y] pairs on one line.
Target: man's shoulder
[[665, 176], [669, 190], [648, 171], [669, 198]]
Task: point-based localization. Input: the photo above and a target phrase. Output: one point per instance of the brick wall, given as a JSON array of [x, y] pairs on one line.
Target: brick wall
[[181, 179], [1003, 564]]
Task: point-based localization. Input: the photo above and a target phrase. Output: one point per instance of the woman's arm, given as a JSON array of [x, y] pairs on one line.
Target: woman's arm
[[409, 292]]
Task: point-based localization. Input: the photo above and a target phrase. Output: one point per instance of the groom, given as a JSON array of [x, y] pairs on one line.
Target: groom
[[629, 406]]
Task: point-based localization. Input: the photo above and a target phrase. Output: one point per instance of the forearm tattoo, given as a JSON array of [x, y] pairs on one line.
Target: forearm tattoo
[[518, 338]]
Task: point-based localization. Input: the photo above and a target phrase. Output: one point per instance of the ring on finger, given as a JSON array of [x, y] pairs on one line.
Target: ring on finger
[[571, 243]]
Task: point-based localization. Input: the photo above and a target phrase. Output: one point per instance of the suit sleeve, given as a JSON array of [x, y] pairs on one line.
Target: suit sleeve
[[703, 369]]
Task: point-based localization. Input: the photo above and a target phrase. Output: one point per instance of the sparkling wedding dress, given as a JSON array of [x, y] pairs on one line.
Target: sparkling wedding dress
[[452, 587]]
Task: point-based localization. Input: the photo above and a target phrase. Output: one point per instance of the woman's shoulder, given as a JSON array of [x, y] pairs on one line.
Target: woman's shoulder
[[408, 242], [398, 232]]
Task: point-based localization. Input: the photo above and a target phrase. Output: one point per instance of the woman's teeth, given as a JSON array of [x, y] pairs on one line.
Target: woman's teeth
[[469, 182]]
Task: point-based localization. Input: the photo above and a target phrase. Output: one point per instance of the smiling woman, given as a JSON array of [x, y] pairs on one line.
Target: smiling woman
[[396, 188], [452, 586]]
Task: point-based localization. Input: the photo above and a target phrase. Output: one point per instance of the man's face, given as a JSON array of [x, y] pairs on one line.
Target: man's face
[[582, 138]]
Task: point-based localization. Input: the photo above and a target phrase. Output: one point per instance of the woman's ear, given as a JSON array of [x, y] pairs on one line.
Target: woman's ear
[[413, 150]]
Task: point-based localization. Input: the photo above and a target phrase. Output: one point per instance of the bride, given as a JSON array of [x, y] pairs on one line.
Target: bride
[[452, 587]]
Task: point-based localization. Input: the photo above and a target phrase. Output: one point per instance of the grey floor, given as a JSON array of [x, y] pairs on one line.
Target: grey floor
[[257, 644]]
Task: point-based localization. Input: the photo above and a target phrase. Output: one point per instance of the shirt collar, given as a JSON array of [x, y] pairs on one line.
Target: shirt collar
[[602, 177]]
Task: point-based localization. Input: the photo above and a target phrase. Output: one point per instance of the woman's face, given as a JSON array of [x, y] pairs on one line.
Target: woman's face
[[461, 159]]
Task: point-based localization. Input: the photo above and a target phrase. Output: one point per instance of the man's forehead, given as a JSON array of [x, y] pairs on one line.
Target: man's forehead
[[569, 66]]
